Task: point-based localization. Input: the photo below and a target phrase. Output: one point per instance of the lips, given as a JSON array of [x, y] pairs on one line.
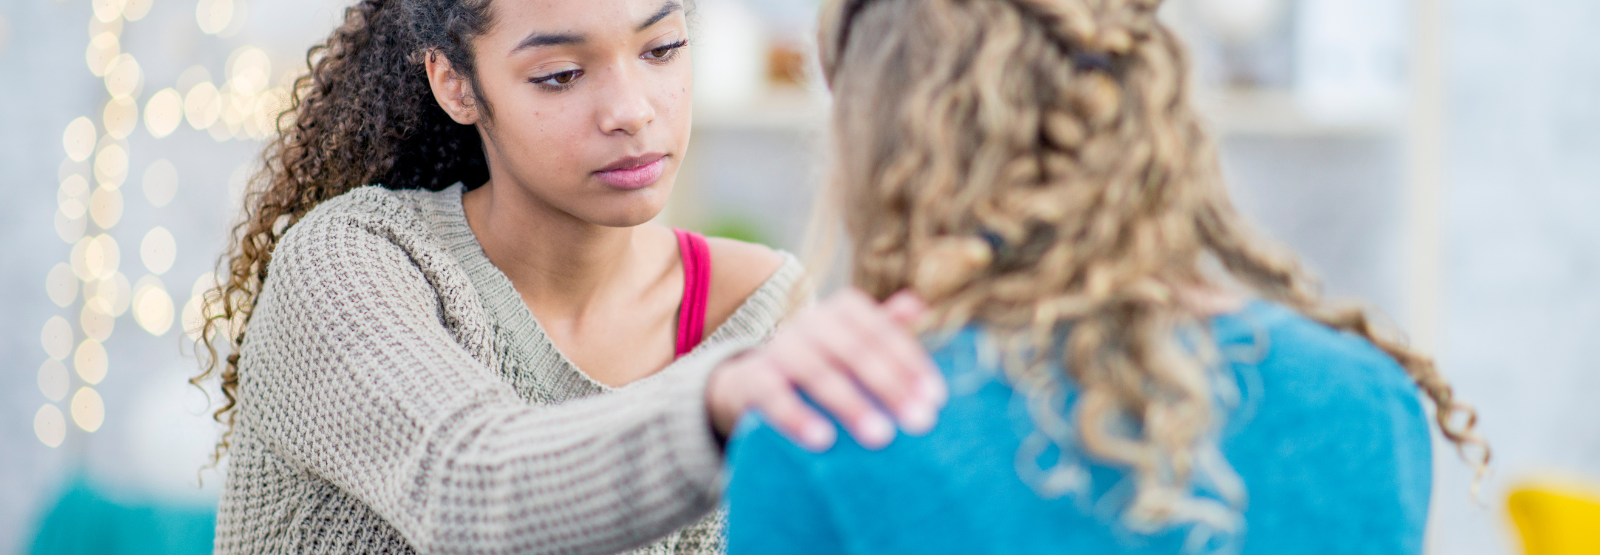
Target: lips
[[634, 172]]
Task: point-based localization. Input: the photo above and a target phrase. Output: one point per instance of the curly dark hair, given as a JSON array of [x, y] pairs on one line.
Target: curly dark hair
[[363, 114]]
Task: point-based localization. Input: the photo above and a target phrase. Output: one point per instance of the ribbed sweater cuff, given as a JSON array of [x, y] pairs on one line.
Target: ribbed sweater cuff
[[695, 444]]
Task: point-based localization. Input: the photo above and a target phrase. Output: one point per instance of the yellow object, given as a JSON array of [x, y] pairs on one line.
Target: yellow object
[[1556, 520]]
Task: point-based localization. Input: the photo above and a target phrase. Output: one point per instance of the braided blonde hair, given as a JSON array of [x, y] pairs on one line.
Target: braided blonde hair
[[1036, 165]]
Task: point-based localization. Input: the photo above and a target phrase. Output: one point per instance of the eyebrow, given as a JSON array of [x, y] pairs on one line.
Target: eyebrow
[[666, 10], [548, 39], [563, 39]]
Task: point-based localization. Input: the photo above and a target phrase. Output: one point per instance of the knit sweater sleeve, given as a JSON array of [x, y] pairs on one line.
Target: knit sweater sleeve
[[350, 372]]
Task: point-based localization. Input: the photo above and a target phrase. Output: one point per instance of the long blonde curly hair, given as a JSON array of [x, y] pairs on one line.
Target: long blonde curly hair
[[1037, 166]]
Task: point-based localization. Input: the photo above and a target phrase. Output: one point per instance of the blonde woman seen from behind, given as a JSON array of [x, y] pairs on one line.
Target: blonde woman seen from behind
[[1133, 369]]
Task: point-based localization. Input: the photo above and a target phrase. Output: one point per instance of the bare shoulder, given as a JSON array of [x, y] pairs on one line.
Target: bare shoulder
[[738, 269]]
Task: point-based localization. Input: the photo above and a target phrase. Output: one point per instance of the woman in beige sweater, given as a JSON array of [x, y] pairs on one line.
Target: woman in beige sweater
[[449, 327]]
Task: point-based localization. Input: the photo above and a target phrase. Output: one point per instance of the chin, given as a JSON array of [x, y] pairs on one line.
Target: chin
[[627, 213]]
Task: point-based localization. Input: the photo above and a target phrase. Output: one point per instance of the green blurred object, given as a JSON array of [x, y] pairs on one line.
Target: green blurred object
[[85, 520], [738, 228]]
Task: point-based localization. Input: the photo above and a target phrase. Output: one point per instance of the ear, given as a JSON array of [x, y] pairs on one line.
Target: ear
[[452, 90]]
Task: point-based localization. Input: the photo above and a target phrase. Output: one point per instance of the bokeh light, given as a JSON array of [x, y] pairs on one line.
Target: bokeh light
[[50, 426], [194, 311], [73, 196], [88, 410], [158, 250], [203, 105], [269, 105], [152, 306], [214, 15], [114, 290], [71, 229], [102, 50], [249, 70], [90, 361], [79, 259], [57, 338], [79, 139], [111, 166], [120, 117], [105, 207], [124, 78], [101, 257], [62, 285], [97, 27], [54, 381], [160, 183], [97, 322], [163, 113], [195, 75], [136, 10], [108, 10]]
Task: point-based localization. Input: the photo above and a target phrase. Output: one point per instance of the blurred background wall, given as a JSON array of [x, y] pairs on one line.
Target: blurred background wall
[[127, 128]]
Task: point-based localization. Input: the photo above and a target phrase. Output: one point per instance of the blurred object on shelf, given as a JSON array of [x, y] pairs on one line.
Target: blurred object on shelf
[[787, 64], [1557, 517], [1351, 59], [730, 65]]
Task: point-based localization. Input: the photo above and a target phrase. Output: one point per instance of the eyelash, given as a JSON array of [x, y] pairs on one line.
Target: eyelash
[[548, 82], [672, 51]]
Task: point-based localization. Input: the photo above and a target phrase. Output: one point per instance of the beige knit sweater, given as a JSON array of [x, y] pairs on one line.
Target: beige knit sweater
[[397, 396]]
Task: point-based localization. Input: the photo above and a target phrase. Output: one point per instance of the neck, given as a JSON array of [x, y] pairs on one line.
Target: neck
[[555, 260]]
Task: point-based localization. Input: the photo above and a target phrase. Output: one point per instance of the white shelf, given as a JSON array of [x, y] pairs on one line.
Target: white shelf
[[1274, 113], [792, 109], [1233, 113]]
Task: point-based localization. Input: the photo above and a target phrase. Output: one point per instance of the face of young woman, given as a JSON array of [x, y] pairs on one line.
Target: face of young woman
[[590, 103]]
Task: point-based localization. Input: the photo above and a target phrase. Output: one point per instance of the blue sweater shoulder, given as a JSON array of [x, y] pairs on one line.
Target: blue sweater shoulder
[[1326, 433]]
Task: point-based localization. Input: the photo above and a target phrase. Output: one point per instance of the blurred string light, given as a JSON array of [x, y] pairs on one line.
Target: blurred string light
[[50, 425], [92, 285], [53, 380], [214, 15]]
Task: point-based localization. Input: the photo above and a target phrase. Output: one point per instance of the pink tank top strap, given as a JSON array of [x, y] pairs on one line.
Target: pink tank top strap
[[696, 290]]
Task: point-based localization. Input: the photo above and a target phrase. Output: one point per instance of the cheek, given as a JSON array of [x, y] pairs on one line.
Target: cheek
[[676, 102], [546, 139]]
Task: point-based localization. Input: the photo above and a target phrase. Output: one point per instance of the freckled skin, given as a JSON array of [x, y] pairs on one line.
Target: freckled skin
[[547, 143]]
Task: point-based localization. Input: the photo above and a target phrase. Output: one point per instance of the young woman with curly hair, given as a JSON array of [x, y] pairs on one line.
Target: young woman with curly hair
[[1133, 369], [449, 327]]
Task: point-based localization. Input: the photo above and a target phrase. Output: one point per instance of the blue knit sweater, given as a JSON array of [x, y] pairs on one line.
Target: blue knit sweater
[[1327, 434]]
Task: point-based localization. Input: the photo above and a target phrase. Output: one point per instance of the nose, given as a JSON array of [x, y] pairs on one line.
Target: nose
[[625, 107]]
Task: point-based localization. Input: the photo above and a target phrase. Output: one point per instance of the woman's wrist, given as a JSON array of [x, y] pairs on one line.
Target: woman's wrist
[[850, 355]]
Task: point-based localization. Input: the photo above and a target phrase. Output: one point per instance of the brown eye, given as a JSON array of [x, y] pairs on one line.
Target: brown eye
[[564, 77], [665, 51]]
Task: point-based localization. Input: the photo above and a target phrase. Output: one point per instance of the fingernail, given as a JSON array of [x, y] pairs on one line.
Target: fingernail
[[874, 430], [817, 436], [917, 419]]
